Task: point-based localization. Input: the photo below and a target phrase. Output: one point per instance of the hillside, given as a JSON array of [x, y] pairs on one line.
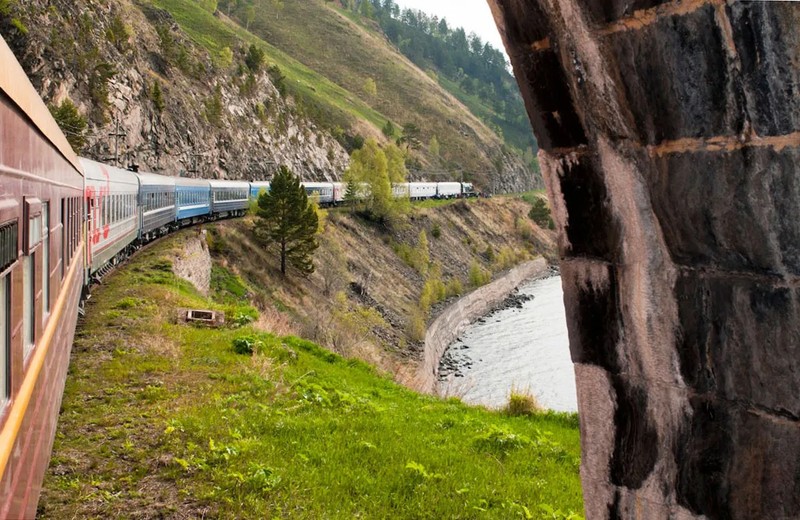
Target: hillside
[[193, 90], [374, 291], [162, 419]]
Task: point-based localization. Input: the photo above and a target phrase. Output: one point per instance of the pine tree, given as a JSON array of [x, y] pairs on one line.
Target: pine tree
[[286, 219]]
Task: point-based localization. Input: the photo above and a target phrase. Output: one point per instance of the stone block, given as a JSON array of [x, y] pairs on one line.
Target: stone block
[[525, 21], [592, 229], [594, 316], [675, 78], [549, 101], [734, 210], [740, 340], [719, 480], [605, 11], [765, 36]]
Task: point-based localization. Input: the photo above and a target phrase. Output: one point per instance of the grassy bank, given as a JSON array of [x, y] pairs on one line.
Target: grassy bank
[[164, 419]]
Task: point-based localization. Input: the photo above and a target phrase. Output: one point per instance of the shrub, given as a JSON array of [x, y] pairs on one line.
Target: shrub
[[521, 403], [436, 232], [433, 291], [454, 288], [478, 275], [246, 345], [500, 442], [416, 327]]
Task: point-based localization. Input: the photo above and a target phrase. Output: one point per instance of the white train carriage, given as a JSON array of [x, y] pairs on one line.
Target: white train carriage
[[156, 204], [421, 190], [229, 198], [111, 205], [448, 190], [322, 190], [400, 190]]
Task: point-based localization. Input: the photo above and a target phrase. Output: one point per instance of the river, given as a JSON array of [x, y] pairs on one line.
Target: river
[[526, 348]]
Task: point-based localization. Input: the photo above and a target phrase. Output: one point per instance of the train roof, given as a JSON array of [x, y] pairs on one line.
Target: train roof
[[95, 171], [15, 84], [153, 179], [229, 184], [189, 181]]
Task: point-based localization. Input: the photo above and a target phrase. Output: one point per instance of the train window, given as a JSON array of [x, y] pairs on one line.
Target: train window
[[8, 245], [5, 337], [29, 302], [45, 258]]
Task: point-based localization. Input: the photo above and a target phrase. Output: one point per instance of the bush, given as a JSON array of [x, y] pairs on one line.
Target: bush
[[478, 275], [436, 232], [521, 403], [416, 327], [246, 345], [432, 292], [454, 288], [71, 122]]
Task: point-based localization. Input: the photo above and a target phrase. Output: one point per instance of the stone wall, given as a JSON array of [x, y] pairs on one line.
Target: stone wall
[[670, 145], [193, 263], [455, 319]]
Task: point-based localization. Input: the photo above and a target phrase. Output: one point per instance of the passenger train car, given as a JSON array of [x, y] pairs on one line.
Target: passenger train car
[[41, 276], [64, 222]]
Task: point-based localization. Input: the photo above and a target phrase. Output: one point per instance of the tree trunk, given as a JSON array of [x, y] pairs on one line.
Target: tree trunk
[[283, 257]]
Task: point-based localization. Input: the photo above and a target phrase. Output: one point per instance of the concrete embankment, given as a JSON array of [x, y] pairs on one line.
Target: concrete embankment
[[446, 328]]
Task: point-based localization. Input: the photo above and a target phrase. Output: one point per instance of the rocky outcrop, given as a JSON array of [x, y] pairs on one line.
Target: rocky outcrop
[[670, 135], [193, 263], [212, 124]]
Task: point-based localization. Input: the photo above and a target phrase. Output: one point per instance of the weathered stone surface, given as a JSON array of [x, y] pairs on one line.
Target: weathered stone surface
[[735, 210], [675, 78], [679, 220], [741, 348], [548, 101], [611, 10], [770, 66]]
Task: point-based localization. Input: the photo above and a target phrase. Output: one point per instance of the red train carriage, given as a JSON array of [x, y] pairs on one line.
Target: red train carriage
[[41, 264], [112, 213]]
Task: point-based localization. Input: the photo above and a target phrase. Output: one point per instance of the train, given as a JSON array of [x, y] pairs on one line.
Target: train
[[127, 209], [66, 221]]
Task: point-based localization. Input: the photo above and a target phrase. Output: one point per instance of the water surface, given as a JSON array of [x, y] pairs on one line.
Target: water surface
[[524, 348]]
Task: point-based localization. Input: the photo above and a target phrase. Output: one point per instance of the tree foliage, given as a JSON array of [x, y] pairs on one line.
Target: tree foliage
[[71, 122], [254, 58], [540, 214], [288, 221], [370, 87], [369, 176]]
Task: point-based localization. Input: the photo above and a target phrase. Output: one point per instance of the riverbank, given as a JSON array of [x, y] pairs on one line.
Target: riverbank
[[455, 319]]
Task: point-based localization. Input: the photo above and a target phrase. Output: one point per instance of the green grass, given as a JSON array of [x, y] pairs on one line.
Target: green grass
[[164, 418]]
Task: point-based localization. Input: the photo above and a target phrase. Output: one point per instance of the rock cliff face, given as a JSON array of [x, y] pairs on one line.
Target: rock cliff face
[[670, 135], [107, 56]]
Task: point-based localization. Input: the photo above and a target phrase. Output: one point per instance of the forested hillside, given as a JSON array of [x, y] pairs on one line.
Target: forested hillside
[[470, 68]]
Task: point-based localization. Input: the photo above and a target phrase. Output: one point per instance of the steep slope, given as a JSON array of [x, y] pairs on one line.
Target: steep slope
[[107, 57], [351, 51], [178, 79], [373, 298]]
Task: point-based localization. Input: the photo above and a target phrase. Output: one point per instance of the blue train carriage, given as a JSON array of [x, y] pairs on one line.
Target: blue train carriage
[[112, 214], [229, 198], [256, 188], [156, 205], [192, 200], [322, 191]]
